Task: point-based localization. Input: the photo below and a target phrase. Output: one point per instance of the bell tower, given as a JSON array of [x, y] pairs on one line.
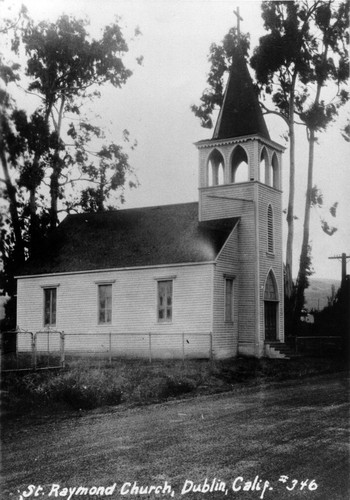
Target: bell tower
[[240, 176]]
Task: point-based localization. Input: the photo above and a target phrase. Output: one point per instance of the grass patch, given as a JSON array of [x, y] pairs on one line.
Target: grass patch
[[88, 383]]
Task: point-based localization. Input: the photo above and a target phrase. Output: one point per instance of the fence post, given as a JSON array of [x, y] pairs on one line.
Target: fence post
[[33, 350], [62, 350], [150, 347], [16, 333], [48, 348], [110, 348], [183, 347], [211, 346]]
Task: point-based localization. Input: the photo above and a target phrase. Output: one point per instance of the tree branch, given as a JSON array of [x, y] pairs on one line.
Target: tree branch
[[272, 112]]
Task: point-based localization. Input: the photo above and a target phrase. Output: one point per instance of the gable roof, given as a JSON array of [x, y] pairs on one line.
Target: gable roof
[[161, 235], [240, 113]]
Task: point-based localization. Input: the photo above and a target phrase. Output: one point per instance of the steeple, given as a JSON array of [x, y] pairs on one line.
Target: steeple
[[240, 176], [240, 113]]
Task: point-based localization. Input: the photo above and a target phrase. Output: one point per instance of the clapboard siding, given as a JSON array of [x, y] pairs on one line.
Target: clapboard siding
[[237, 200], [225, 201], [225, 335], [247, 280], [48, 341], [269, 261], [134, 306], [250, 202]]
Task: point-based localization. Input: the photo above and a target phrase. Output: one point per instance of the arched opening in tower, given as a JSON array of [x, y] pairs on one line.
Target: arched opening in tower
[[264, 167], [275, 172], [239, 165], [215, 169]]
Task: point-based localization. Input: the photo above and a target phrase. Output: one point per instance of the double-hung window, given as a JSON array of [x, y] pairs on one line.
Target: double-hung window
[[165, 300], [50, 304], [105, 304], [229, 299]]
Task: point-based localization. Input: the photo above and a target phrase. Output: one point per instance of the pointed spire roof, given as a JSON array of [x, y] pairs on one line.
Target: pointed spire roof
[[240, 113]]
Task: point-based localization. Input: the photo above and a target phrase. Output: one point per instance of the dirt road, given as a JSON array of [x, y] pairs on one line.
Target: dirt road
[[234, 445]]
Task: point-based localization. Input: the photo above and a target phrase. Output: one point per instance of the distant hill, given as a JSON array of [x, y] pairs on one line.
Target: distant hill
[[318, 291]]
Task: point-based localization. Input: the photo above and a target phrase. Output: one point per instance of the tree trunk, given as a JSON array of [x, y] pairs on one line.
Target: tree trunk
[[57, 168], [302, 281], [54, 191], [304, 263], [11, 190], [34, 230], [290, 211]]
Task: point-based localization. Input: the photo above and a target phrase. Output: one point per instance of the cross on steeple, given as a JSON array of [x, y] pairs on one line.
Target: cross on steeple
[[239, 18]]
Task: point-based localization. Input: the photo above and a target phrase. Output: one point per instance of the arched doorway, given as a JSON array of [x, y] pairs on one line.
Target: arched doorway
[[271, 307]]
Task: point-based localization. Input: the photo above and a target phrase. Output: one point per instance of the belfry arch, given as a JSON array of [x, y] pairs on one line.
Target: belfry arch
[[275, 171], [239, 171], [215, 173], [264, 166]]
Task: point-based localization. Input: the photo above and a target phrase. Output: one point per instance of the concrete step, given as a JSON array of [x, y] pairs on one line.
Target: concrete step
[[278, 350]]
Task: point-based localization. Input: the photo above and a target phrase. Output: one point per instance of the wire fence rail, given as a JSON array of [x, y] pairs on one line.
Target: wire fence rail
[[22, 350], [318, 344], [48, 349]]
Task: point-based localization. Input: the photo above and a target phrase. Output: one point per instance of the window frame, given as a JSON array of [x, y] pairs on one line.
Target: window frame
[[52, 305], [270, 231], [229, 300], [99, 288], [165, 320]]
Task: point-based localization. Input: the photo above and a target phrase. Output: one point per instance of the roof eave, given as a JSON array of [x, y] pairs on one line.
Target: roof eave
[[206, 143]]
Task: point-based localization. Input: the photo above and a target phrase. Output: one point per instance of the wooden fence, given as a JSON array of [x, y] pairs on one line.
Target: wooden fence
[[48, 349]]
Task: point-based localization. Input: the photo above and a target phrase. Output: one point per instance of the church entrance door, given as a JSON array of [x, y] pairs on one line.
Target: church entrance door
[[271, 307], [270, 320]]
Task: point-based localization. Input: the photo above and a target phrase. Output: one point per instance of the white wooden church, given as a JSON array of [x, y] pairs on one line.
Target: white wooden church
[[207, 273]]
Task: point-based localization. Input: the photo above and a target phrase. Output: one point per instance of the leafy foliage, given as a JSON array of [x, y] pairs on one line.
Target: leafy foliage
[[334, 319], [220, 57], [45, 172], [304, 50]]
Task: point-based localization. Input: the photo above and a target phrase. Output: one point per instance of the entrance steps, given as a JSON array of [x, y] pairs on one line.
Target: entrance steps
[[278, 350]]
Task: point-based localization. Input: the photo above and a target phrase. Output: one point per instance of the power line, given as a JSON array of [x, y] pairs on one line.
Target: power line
[[343, 258]]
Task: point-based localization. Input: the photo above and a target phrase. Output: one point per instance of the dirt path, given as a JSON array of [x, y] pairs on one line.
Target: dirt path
[[297, 430]]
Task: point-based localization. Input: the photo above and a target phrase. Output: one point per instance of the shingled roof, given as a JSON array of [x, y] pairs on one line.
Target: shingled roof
[[240, 113], [169, 234]]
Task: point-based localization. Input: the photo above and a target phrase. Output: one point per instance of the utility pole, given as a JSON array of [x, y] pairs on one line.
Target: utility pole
[[343, 258]]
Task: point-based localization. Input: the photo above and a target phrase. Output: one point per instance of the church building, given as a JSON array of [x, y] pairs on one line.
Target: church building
[[202, 279]]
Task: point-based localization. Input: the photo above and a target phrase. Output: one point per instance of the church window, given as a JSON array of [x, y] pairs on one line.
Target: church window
[[228, 300], [271, 307], [270, 229], [165, 300], [239, 165], [105, 304], [270, 288], [50, 302]]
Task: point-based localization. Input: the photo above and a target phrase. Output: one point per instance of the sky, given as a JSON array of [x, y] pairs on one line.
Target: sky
[[154, 106]]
